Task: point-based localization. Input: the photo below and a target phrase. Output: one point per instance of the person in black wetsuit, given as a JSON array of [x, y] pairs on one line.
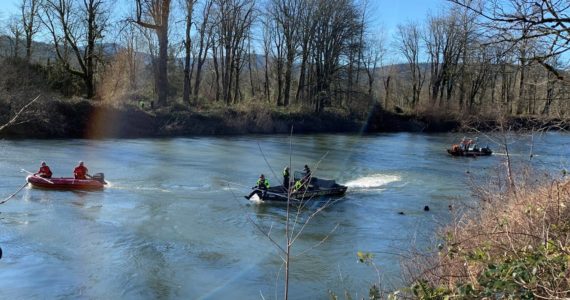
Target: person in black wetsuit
[[261, 187], [307, 177], [286, 178]]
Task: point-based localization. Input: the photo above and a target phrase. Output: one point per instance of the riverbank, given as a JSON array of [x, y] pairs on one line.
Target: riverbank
[[515, 243], [91, 119], [85, 119]]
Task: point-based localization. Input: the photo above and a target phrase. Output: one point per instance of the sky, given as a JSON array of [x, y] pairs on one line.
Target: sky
[[385, 14], [388, 12]]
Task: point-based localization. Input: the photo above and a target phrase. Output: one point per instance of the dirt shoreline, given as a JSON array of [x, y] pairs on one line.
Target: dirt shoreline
[[85, 120]]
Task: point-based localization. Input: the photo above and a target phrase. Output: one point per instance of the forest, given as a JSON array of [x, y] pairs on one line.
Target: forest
[[467, 57]]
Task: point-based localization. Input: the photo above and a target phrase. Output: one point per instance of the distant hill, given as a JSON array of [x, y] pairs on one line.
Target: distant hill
[[41, 52]]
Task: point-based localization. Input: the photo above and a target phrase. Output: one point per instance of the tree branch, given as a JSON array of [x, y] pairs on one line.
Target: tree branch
[[18, 114]]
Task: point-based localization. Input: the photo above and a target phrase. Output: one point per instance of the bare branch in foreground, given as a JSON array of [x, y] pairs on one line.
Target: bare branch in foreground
[[18, 114]]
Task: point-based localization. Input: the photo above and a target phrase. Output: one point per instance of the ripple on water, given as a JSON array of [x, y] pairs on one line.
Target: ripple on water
[[373, 181]]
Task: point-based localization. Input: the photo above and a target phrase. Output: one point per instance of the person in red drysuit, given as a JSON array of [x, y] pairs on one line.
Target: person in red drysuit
[[44, 171], [80, 172]]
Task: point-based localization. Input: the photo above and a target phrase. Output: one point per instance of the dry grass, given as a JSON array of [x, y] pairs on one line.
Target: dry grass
[[528, 228]]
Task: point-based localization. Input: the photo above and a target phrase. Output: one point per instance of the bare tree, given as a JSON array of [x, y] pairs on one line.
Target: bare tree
[[233, 22], [477, 73], [551, 88], [409, 46], [337, 22], [205, 36], [131, 39], [518, 21], [189, 10], [373, 58], [388, 73], [15, 28], [252, 66], [436, 42], [154, 15], [308, 24], [287, 17], [30, 11], [356, 56], [276, 50], [267, 40], [215, 54], [78, 28]]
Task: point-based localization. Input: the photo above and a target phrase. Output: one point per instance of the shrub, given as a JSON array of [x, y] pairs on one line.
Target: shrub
[[515, 246]]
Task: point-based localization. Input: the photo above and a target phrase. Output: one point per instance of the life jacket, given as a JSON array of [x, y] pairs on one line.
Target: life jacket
[[45, 171], [80, 172], [263, 184], [298, 185]]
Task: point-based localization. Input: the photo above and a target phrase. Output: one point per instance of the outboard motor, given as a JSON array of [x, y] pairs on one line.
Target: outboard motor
[[99, 177]]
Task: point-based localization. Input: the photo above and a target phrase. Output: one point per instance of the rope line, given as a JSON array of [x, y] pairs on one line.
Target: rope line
[[11, 196]]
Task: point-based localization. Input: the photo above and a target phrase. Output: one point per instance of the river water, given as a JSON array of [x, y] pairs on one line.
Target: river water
[[173, 223]]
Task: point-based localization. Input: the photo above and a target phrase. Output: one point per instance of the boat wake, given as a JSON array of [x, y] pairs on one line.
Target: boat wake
[[372, 182], [204, 187], [139, 188]]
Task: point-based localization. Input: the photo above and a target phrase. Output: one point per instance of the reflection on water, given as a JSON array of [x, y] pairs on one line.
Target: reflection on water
[[173, 224]]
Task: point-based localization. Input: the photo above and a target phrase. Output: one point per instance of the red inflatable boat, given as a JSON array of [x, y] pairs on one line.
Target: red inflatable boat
[[94, 183]]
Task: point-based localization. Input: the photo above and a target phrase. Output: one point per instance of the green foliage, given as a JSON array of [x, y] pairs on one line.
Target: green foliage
[[422, 290], [521, 275], [374, 293], [529, 270]]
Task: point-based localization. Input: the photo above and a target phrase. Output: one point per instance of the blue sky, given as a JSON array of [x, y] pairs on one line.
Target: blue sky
[[388, 12]]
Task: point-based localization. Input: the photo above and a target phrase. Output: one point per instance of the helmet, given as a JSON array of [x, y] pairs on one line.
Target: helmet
[[261, 176], [81, 163], [43, 163]]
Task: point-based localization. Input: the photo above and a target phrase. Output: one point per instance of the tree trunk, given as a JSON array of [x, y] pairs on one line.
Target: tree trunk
[[387, 92], [217, 72], [302, 74], [160, 26], [163, 66], [288, 71], [187, 49]]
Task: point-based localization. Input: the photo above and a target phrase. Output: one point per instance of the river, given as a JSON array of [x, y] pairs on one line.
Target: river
[[173, 223]]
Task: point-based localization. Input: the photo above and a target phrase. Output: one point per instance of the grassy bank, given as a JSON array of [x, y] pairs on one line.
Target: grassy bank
[[515, 245]]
